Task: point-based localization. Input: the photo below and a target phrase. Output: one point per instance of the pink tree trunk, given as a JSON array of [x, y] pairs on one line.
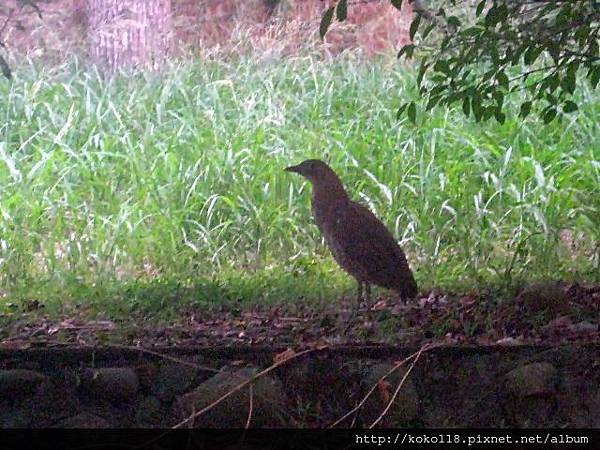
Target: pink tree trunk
[[125, 33]]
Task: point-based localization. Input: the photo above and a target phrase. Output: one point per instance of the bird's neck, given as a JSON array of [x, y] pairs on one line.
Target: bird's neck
[[328, 196]]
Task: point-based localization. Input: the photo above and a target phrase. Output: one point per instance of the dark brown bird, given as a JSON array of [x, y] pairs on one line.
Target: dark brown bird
[[359, 241]]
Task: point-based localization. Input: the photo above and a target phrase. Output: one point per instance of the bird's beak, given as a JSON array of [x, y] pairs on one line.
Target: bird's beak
[[293, 169]]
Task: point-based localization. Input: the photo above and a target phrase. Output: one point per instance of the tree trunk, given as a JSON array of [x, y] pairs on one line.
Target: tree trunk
[[125, 33]]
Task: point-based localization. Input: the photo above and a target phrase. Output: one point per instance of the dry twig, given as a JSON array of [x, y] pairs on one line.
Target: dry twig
[[406, 374], [246, 383], [414, 356], [250, 406]]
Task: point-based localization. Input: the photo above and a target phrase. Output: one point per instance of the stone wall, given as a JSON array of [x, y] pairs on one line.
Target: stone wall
[[449, 387]]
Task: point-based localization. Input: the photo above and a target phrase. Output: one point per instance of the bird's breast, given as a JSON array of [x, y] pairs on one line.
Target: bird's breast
[[332, 225], [328, 219]]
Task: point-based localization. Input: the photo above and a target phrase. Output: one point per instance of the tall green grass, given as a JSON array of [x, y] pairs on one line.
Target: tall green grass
[[140, 190]]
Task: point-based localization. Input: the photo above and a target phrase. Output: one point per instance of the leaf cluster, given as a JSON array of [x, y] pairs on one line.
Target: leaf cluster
[[537, 49]]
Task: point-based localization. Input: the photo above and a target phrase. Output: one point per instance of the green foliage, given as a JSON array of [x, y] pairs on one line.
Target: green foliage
[[326, 21], [115, 191], [341, 10], [5, 68], [397, 4], [485, 51]]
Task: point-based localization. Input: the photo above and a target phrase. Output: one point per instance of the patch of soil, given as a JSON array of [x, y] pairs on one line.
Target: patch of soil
[[548, 313]]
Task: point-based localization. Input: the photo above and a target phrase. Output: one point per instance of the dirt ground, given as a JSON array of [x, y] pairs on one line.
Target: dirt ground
[[529, 360], [548, 313]]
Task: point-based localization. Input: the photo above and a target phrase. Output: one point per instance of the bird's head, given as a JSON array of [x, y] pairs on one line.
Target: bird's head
[[314, 170]]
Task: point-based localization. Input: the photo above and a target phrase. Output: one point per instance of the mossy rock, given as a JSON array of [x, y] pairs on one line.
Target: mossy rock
[[172, 380], [111, 383], [268, 401], [536, 379], [18, 383], [148, 412]]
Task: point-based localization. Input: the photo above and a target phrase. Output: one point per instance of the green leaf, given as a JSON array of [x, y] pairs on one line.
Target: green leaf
[[5, 68], [414, 26], [466, 106], [422, 70], [454, 21], [490, 17], [472, 31], [563, 16], [476, 107], [499, 116], [582, 35], [428, 30], [550, 83], [480, 7], [412, 112], [442, 66], [517, 55], [433, 100], [502, 12], [437, 89], [444, 43], [594, 49], [569, 81], [401, 110], [549, 115], [553, 82], [531, 54], [493, 52], [508, 54], [525, 109], [488, 112], [570, 106], [341, 11], [496, 14], [326, 22], [408, 49], [502, 79], [594, 75], [397, 4], [499, 97], [465, 75], [553, 49], [489, 74], [568, 84]]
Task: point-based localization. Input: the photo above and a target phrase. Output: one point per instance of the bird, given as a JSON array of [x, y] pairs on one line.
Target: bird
[[359, 242]]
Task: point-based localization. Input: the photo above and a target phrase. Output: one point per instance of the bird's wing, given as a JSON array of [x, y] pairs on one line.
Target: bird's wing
[[370, 244]]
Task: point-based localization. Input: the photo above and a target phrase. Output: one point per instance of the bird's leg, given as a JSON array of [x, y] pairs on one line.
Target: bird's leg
[[355, 309]]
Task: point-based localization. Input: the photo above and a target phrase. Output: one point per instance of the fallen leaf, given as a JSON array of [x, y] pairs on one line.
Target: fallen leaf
[[384, 387], [467, 300], [280, 357], [508, 341]]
